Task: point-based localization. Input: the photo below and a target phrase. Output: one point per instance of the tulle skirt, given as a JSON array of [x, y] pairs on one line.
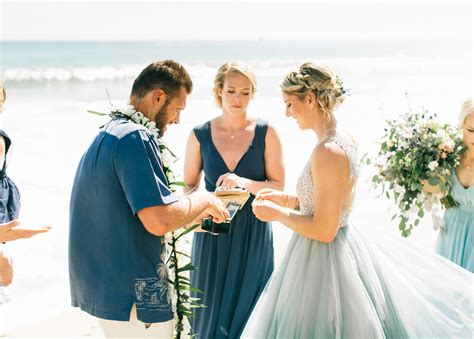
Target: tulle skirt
[[358, 288]]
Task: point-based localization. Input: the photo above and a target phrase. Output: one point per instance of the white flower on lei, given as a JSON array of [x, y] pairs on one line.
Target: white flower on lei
[[137, 117]]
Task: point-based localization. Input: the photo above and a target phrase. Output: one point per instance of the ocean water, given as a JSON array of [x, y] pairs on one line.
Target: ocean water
[[51, 85]]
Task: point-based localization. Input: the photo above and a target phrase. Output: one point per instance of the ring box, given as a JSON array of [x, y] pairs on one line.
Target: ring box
[[234, 200]]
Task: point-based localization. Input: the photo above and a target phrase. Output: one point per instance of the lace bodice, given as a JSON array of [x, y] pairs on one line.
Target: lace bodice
[[304, 186]]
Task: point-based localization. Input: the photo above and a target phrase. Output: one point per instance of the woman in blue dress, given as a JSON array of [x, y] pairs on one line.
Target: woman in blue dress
[[456, 237], [334, 281], [233, 150]]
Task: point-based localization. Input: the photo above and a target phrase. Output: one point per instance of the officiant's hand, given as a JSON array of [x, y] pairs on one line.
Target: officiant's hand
[[6, 269], [278, 197], [265, 210], [231, 180], [13, 231]]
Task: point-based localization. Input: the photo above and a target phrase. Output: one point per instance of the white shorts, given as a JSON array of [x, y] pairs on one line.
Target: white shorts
[[134, 328]]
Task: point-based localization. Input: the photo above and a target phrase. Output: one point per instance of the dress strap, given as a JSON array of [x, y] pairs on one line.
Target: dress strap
[[203, 132], [7, 139], [261, 129]]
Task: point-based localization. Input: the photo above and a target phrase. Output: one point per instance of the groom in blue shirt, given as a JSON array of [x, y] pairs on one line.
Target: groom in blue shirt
[[120, 208]]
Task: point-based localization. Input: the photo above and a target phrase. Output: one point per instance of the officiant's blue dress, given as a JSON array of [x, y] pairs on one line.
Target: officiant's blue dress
[[232, 269], [456, 238]]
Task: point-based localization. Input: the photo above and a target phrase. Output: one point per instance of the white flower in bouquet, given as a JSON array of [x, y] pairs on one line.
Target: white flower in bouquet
[[447, 145], [412, 172], [433, 165], [441, 133], [428, 204], [437, 216], [399, 189]]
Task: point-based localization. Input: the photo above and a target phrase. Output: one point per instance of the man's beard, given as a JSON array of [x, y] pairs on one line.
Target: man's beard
[[161, 118]]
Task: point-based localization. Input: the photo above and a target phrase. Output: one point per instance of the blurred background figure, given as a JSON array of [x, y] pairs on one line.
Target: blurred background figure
[[9, 210], [456, 238]]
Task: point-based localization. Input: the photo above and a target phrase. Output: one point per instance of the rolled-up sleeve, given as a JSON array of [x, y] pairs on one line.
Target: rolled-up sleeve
[[140, 172]]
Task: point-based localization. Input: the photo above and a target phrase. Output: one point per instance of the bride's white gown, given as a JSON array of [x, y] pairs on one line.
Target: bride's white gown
[[357, 288]]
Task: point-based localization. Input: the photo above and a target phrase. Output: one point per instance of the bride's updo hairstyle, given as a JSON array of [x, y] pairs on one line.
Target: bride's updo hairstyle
[[321, 81]]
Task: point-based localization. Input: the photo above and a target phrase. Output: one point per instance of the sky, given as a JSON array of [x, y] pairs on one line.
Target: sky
[[227, 20]]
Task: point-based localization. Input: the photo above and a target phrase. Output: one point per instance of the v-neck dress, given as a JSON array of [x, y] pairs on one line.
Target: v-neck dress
[[456, 238], [232, 269]]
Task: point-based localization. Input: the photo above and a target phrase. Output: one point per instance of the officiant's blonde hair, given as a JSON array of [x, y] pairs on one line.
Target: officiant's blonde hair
[[224, 70], [321, 81], [466, 109]]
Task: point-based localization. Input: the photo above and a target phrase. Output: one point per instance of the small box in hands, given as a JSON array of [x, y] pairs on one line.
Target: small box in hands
[[224, 227], [234, 200]]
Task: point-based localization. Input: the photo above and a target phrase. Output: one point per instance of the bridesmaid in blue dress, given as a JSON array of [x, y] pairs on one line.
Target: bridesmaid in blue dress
[[336, 281], [233, 150], [456, 238]]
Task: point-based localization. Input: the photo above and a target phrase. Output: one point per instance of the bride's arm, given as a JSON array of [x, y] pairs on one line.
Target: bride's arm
[[280, 198], [329, 170]]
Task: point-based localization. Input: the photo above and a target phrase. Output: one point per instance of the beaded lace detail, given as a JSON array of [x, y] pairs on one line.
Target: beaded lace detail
[[304, 186]]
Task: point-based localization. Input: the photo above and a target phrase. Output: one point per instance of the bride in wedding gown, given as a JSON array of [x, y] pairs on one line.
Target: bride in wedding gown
[[334, 281]]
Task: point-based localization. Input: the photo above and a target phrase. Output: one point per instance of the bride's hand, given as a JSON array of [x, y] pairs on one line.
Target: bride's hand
[[265, 210], [278, 197]]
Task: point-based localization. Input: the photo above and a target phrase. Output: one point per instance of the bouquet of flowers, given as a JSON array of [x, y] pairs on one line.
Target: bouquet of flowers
[[416, 156]]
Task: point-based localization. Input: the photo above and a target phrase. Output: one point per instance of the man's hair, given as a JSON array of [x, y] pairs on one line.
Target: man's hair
[[167, 75]]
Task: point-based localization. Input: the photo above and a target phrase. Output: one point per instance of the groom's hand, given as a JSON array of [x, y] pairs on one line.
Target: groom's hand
[[217, 210]]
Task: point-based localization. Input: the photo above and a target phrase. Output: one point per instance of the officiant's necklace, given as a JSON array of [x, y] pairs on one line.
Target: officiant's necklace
[[232, 133]]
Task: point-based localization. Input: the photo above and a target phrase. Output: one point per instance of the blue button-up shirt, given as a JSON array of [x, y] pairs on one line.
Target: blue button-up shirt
[[114, 261]]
